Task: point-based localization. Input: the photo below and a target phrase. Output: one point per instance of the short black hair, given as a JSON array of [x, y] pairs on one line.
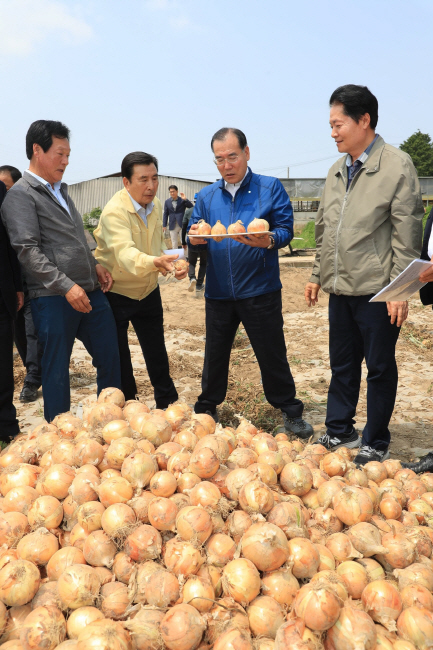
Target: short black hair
[[356, 102], [221, 134], [42, 132], [13, 171], [173, 187], [136, 158]]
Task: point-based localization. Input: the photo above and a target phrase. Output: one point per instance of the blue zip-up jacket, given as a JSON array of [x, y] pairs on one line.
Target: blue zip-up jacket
[[234, 270]]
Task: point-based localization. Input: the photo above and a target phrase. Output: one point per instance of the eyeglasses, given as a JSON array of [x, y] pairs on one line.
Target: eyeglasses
[[234, 157]]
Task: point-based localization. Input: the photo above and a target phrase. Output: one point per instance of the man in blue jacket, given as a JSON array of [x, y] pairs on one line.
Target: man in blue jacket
[[174, 209], [243, 279]]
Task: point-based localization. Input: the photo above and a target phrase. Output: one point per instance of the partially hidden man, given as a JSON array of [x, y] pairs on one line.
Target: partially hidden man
[[368, 230], [243, 279]]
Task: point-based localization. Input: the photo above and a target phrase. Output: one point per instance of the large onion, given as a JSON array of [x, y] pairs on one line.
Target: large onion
[[236, 479], [281, 585], [220, 549], [416, 573], [99, 549], [56, 481], [204, 462], [304, 556], [341, 547], [116, 429], [194, 523], [416, 625], [383, 602], [266, 546], [19, 499], [352, 505], [115, 490], [62, 559], [19, 582], [182, 557], [38, 547], [234, 639], [44, 627], [119, 450], [45, 511], [18, 475], [13, 526], [144, 543], [416, 596], [318, 605], [156, 429], [164, 484], [89, 516], [255, 496], [144, 628], [102, 414], [290, 518], [162, 514], [199, 592], [238, 522], [78, 586], [80, 618], [296, 479], [104, 634], [265, 615], [354, 630], [354, 576], [401, 550], [366, 539], [182, 628]]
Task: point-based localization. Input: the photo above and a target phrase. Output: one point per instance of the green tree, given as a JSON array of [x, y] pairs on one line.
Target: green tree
[[419, 146], [90, 219]]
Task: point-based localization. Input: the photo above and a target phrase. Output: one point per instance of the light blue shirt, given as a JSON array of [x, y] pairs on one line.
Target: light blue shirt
[[55, 191], [142, 212]]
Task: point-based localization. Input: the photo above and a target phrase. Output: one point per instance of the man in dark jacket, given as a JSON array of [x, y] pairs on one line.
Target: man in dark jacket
[[243, 279], [11, 300], [195, 254], [174, 209], [63, 278]]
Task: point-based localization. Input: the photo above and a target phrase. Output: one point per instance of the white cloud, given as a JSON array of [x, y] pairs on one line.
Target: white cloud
[[26, 23]]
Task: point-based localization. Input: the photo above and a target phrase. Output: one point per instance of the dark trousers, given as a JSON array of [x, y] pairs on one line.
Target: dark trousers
[[193, 257], [147, 320], [358, 329], [27, 344], [263, 321], [57, 326], [8, 417]]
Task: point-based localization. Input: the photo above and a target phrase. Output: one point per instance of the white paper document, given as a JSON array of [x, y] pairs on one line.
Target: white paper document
[[176, 251], [405, 284]]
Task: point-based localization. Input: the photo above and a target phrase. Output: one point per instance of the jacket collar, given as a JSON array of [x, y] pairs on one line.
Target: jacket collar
[[371, 165], [31, 180], [222, 183]]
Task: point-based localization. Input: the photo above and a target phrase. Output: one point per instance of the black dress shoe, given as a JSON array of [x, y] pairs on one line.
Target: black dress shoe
[[424, 465], [29, 393]]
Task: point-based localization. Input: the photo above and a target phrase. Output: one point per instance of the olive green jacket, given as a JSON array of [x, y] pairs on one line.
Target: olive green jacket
[[368, 234]]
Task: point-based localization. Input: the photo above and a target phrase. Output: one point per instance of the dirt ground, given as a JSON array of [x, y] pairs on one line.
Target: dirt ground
[[306, 333]]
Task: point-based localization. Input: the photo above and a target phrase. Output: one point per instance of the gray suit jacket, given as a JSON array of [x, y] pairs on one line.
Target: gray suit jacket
[[50, 243]]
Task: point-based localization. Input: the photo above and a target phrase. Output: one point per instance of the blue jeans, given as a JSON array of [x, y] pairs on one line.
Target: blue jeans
[[57, 326], [361, 329]]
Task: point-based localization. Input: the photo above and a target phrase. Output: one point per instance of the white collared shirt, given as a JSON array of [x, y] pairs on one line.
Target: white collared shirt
[[142, 212], [55, 190], [233, 187]]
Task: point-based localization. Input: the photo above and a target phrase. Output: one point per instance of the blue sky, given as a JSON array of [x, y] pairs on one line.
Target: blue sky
[[163, 75]]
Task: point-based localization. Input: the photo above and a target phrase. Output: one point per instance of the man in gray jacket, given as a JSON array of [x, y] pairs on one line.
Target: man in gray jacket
[[368, 230], [64, 280]]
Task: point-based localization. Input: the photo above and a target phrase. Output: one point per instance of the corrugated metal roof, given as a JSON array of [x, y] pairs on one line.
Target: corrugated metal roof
[[97, 192]]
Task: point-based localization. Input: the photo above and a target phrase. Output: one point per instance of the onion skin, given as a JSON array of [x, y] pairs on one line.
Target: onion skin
[[352, 505], [145, 543], [182, 628], [354, 630], [62, 559], [266, 546], [104, 634], [220, 549], [265, 616], [78, 586], [241, 581], [354, 577], [383, 603], [318, 605], [182, 558], [296, 479], [19, 582], [304, 556], [44, 627], [416, 625], [416, 596]]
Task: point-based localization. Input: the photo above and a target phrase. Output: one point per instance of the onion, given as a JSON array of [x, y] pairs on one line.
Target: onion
[[421, 540], [354, 630], [265, 616], [310, 500], [119, 450], [19, 499], [255, 496], [264, 473], [140, 506], [56, 481], [304, 556], [373, 568], [104, 634], [218, 229], [88, 451], [80, 618], [213, 575], [13, 526], [186, 439], [178, 463], [111, 396], [38, 547], [7, 555], [133, 406], [296, 479], [18, 476], [122, 567], [327, 518], [420, 509], [220, 549], [156, 429], [236, 228], [102, 414], [19, 582], [114, 490], [333, 464], [47, 594], [265, 545], [341, 547], [226, 615], [401, 550], [241, 581], [63, 452], [44, 627], [46, 511], [355, 578], [182, 558], [163, 484], [62, 559], [390, 508], [326, 492], [238, 522], [182, 628], [89, 516], [144, 543], [417, 573], [375, 471], [290, 518], [161, 589], [199, 592], [116, 429], [258, 225], [144, 628], [162, 513], [317, 605], [263, 442], [15, 618], [241, 457], [352, 505], [217, 443], [204, 462], [99, 549], [234, 639], [416, 596], [68, 425], [366, 539], [236, 479], [416, 625], [205, 494], [78, 586], [281, 585], [194, 523], [118, 520], [116, 602]]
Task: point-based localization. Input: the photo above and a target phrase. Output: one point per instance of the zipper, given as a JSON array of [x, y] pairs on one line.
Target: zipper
[[229, 246], [340, 221]]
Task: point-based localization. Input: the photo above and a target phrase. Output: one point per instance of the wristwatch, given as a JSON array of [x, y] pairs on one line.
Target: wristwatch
[[272, 244]]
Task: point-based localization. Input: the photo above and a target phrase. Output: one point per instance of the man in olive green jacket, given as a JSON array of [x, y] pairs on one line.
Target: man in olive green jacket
[[368, 229]]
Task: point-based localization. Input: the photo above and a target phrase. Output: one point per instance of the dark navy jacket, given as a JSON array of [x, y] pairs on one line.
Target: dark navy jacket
[[10, 277], [426, 293], [175, 217], [234, 270]]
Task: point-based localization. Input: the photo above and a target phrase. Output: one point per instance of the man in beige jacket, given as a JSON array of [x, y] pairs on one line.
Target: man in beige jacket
[[368, 229], [131, 242]]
